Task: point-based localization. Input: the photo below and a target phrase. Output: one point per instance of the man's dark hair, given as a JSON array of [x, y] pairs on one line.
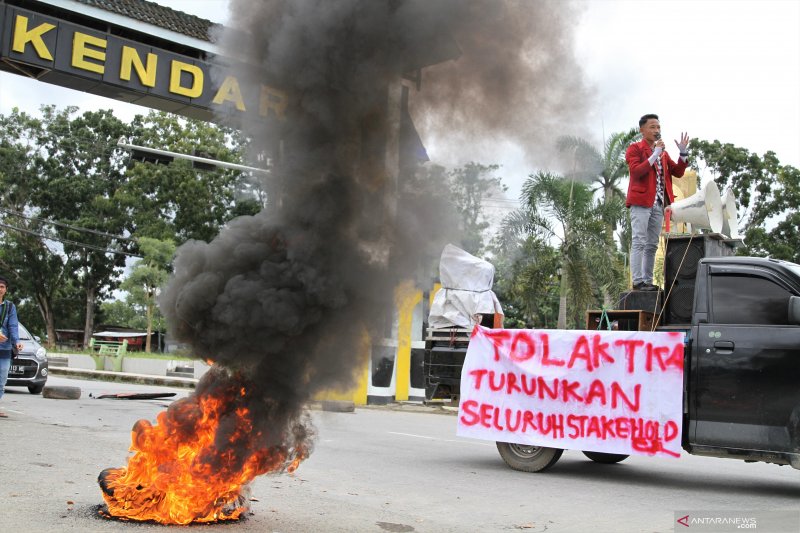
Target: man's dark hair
[[645, 118], [4, 281]]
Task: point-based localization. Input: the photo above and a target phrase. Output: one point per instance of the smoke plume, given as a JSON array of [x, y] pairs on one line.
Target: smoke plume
[[515, 88], [290, 297]]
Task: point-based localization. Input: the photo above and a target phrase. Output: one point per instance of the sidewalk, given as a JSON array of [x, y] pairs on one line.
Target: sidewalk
[[189, 383]]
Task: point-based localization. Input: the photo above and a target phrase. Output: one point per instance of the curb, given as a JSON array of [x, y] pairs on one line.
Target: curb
[[122, 377], [189, 383]]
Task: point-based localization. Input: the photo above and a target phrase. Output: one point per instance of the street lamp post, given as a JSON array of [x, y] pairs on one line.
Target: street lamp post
[[166, 157]]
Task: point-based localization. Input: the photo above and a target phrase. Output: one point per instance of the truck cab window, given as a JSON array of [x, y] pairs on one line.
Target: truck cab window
[[739, 299]]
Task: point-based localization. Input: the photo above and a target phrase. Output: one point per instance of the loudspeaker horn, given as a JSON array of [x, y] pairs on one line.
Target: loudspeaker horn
[[703, 209], [730, 216]]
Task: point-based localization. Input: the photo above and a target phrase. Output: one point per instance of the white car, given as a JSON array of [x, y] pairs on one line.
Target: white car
[[29, 366]]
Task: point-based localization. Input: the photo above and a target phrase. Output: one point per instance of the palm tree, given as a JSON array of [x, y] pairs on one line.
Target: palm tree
[[526, 279], [605, 170], [564, 210]]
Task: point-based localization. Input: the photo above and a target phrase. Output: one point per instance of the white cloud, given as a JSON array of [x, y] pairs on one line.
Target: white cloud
[[719, 70]]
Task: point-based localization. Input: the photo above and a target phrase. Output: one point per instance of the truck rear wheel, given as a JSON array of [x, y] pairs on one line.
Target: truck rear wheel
[[528, 458], [605, 458]]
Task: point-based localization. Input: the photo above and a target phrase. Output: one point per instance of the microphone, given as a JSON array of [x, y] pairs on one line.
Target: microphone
[[658, 137]]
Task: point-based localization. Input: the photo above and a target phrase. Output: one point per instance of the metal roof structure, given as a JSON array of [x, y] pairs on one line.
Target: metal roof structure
[[170, 28], [158, 15]]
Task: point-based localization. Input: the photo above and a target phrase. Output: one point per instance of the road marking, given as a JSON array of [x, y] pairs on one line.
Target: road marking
[[440, 440], [412, 435]]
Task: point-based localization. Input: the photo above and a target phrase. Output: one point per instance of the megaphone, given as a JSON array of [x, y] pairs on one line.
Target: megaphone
[[730, 216], [703, 209]]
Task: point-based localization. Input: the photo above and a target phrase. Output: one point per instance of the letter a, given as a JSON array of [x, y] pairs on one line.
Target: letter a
[[676, 357], [229, 92], [597, 390], [581, 351]]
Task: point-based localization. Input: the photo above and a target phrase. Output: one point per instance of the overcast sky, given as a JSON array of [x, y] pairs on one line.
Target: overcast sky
[[727, 70]]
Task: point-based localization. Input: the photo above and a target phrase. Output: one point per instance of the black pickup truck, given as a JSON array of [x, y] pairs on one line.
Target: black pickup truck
[[741, 372]]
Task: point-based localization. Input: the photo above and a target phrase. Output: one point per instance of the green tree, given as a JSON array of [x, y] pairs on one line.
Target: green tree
[[564, 211], [768, 194], [469, 186], [36, 272], [606, 170], [33, 263], [68, 200], [178, 201], [121, 313], [147, 277], [526, 280], [78, 185]]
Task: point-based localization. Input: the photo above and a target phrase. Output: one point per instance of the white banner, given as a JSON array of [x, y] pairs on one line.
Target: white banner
[[603, 391]]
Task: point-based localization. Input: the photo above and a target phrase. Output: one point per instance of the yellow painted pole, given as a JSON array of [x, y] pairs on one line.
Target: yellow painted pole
[[436, 287], [360, 392], [407, 297]]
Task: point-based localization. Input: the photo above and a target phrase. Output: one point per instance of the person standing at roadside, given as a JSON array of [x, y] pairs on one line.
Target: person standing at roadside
[[9, 336], [649, 192]]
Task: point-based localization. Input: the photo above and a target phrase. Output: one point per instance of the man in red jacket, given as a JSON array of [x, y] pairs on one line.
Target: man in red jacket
[[649, 192]]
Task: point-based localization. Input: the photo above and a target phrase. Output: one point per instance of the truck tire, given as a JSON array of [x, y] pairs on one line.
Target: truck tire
[[528, 458], [605, 458]]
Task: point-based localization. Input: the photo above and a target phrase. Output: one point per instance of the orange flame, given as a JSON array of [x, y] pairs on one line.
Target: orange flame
[[186, 469]]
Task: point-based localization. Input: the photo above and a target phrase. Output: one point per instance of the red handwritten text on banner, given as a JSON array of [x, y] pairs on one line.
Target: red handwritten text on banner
[[604, 391]]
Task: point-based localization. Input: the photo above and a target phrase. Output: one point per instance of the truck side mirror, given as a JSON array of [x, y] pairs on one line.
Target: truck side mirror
[[794, 310]]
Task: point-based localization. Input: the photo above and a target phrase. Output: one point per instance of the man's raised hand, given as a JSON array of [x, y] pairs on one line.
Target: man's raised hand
[[683, 145]]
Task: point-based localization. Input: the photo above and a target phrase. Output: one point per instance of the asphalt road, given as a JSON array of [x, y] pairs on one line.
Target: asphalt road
[[373, 470]]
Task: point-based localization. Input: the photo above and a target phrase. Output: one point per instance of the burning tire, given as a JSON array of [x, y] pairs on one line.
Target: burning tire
[[528, 458], [606, 458]]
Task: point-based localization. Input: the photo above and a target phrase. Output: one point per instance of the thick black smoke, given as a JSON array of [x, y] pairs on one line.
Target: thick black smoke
[[288, 296]]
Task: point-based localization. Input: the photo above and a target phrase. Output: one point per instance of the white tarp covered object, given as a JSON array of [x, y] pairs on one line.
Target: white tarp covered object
[[466, 290]]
